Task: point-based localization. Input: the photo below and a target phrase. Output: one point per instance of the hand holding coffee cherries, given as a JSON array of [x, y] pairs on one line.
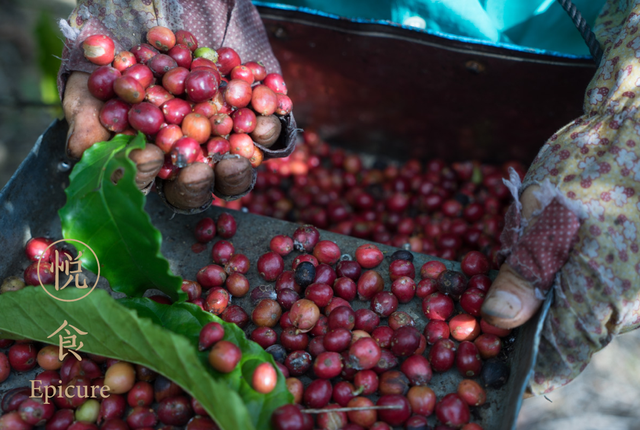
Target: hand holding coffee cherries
[[208, 116]]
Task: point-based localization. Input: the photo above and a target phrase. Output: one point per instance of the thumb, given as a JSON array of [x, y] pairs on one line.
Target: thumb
[[539, 253], [511, 300], [82, 111]]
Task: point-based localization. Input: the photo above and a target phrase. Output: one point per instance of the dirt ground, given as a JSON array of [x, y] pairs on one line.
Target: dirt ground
[[605, 396]]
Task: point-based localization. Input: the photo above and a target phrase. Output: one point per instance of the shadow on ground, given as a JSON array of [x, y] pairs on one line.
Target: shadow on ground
[[605, 396]]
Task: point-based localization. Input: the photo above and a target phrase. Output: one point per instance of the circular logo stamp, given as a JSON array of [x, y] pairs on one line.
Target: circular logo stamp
[[66, 271]]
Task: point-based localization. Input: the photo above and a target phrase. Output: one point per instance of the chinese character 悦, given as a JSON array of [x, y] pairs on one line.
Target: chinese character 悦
[[63, 266]]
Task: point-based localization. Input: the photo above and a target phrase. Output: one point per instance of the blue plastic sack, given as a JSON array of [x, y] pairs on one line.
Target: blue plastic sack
[[541, 24]]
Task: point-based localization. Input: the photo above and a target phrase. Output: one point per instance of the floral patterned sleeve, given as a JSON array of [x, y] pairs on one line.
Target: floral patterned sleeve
[[236, 23], [589, 172]]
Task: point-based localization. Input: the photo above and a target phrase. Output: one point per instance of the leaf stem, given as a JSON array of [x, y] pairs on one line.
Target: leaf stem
[[360, 408]]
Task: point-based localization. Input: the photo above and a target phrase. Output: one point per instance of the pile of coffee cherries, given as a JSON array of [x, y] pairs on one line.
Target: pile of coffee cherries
[[337, 353], [137, 397], [341, 334], [196, 104], [436, 208]]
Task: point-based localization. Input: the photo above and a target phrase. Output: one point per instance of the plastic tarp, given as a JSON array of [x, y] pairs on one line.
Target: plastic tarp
[[538, 24]]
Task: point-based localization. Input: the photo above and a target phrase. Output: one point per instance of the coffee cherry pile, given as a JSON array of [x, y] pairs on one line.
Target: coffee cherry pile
[[337, 334], [40, 251], [434, 208], [311, 319], [197, 104], [138, 398]]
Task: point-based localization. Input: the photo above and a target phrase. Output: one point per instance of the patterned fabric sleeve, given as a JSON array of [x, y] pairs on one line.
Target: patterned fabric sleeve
[[590, 176], [235, 23]]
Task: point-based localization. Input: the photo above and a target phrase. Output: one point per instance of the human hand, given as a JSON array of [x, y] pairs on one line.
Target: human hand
[[576, 229], [81, 111], [235, 25]]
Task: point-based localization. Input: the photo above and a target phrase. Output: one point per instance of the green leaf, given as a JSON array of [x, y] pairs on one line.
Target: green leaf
[[108, 215], [115, 331], [187, 319], [49, 44]]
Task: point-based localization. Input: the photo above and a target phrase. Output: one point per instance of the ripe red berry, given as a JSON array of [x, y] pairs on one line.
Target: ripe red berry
[[281, 244], [384, 303], [217, 301], [437, 306], [471, 301], [400, 268], [33, 276], [417, 369], [264, 336], [366, 381], [342, 317], [270, 266], [488, 345], [422, 400], [369, 284], [364, 354], [452, 410], [435, 330], [222, 252], [209, 335], [224, 356], [226, 225], [383, 335], [326, 252], [238, 263], [405, 341], [432, 269], [22, 356], [307, 236], [404, 288], [394, 417], [211, 276], [345, 288], [99, 49], [471, 392], [488, 328], [264, 378], [442, 355], [468, 360], [369, 256], [475, 263], [288, 417], [205, 230], [481, 282], [5, 367], [328, 365], [464, 327]]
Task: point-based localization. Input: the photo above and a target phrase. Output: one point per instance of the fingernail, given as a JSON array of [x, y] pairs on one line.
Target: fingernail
[[502, 304]]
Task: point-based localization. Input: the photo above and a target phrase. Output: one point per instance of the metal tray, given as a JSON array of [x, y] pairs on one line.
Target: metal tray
[[29, 205]]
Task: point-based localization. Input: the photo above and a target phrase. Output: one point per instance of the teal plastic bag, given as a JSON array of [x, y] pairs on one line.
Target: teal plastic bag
[[540, 24]]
